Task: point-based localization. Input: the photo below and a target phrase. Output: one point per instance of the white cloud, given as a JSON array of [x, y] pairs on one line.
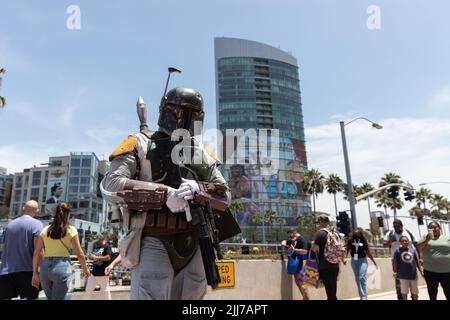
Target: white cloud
[[15, 158], [416, 149]]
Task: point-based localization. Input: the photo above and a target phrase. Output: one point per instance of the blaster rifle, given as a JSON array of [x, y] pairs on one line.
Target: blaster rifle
[[201, 211]]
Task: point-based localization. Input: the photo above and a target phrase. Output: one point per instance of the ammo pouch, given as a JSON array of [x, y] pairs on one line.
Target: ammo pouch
[[165, 222], [130, 245]]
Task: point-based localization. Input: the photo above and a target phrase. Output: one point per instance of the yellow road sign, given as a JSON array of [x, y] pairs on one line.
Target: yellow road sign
[[226, 272]]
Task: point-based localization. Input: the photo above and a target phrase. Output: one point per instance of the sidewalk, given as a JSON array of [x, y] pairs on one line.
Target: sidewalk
[[392, 295]]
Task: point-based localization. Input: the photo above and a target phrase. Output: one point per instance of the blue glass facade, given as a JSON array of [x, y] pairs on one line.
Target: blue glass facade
[[258, 92]]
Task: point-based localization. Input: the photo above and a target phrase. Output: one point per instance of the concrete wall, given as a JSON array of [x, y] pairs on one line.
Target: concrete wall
[[267, 280]]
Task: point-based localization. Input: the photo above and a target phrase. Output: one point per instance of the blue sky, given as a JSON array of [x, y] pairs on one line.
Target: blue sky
[[76, 90]]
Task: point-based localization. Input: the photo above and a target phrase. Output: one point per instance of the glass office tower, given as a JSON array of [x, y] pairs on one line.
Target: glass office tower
[[257, 87]]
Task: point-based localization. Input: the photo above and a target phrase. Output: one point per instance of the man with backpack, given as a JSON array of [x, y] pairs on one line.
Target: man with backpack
[[392, 240], [330, 250]]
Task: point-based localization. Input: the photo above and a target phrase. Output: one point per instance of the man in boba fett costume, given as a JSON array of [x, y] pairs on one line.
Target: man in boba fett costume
[[169, 209]]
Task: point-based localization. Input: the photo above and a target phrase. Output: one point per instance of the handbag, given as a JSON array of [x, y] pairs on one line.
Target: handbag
[[293, 264], [309, 274]]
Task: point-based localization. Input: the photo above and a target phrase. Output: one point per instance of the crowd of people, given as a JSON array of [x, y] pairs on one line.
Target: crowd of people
[[38, 258], [429, 257]]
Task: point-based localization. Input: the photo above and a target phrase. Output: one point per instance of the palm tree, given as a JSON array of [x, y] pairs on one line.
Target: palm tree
[[447, 208], [2, 100], [236, 206], [356, 192], [334, 185], [389, 178], [307, 225], [280, 222], [268, 219], [382, 200], [256, 220], [422, 196], [312, 184], [367, 187], [439, 202]]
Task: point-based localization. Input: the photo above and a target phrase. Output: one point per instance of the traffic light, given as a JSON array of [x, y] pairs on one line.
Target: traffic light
[[380, 222], [409, 195], [420, 220], [392, 192], [343, 223]]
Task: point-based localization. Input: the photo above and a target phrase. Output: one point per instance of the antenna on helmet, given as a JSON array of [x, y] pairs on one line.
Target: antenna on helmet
[[170, 70]]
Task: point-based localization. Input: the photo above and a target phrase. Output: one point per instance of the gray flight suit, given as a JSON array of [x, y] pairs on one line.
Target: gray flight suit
[[154, 277]]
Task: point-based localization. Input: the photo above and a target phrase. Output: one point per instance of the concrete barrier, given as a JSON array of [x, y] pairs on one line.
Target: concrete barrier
[[267, 280]]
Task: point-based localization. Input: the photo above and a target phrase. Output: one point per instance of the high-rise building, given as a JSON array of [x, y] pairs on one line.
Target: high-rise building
[[74, 179], [257, 87], [6, 181]]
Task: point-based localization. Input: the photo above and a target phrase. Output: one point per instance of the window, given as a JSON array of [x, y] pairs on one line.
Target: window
[[85, 172], [16, 207], [86, 163], [84, 204], [84, 180], [74, 172], [43, 208], [75, 162], [26, 181], [36, 180], [84, 189], [46, 178], [34, 194], [73, 189], [19, 181], [25, 195], [74, 180], [17, 195], [56, 163]]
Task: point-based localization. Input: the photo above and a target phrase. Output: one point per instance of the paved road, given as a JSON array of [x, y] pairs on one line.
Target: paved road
[[122, 292], [392, 295]]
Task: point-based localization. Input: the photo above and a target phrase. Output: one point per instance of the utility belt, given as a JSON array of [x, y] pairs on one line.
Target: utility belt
[[164, 222]]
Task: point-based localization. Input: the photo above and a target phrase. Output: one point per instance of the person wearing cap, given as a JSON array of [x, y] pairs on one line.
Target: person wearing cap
[[16, 269], [101, 257]]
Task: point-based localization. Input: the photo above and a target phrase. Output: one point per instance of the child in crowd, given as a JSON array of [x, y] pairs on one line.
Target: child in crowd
[[405, 265]]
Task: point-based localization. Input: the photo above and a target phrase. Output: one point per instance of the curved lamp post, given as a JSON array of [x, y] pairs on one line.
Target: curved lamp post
[[425, 183], [347, 166]]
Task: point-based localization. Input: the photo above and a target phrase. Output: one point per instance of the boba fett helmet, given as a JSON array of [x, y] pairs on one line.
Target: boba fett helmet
[[180, 108]]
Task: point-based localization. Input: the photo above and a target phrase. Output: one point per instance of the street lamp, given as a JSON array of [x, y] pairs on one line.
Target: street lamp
[[347, 166], [425, 183]]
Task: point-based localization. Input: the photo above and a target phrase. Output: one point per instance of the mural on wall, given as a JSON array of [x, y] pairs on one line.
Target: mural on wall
[[260, 187], [238, 182], [56, 190]]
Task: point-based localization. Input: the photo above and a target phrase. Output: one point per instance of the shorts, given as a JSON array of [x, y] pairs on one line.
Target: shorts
[[17, 284], [409, 285]]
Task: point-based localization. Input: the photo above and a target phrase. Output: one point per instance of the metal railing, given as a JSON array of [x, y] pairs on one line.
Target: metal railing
[[248, 251]]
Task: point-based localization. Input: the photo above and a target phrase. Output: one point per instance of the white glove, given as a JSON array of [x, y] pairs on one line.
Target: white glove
[[175, 203], [187, 189]]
